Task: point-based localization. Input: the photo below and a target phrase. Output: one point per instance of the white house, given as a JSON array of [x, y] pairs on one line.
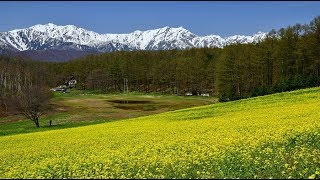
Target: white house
[[72, 83]]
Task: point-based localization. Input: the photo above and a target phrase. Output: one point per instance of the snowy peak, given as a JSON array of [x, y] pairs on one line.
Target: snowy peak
[[51, 36], [44, 27]]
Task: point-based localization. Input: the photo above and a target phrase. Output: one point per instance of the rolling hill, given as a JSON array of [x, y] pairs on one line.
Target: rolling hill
[[273, 136]]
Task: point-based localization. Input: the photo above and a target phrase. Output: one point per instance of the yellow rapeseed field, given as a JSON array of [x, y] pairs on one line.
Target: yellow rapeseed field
[[275, 136]]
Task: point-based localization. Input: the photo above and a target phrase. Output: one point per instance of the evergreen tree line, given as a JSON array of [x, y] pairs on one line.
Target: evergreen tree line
[[174, 72], [287, 59]]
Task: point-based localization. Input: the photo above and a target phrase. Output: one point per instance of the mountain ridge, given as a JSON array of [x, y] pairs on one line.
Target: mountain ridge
[[69, 37]]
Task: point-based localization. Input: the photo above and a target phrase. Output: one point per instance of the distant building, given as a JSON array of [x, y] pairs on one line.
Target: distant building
[[69, 84], [197, 94], [205, 94], [72, 83], [62, 88]]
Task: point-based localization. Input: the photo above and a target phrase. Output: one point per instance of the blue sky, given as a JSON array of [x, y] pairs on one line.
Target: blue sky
[[201, 18]]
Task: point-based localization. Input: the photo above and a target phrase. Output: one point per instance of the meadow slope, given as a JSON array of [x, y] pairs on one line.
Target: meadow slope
[[271, 136], [83, 107]]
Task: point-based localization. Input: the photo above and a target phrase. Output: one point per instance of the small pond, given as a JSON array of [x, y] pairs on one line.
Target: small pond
[[129, 102]]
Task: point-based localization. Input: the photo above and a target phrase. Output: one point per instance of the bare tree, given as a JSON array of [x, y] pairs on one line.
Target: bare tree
[[32, 102]]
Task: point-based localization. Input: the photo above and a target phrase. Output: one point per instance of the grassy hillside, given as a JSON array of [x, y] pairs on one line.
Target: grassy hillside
[[272, 136]]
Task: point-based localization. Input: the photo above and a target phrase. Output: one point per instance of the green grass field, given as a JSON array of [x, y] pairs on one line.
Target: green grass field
[[274, 136], [79, 108]]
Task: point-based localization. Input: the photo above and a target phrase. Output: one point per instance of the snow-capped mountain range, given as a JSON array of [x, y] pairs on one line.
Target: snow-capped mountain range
[[53, 37]]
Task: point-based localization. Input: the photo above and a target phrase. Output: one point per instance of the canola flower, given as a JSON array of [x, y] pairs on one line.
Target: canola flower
[[275, 136]]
